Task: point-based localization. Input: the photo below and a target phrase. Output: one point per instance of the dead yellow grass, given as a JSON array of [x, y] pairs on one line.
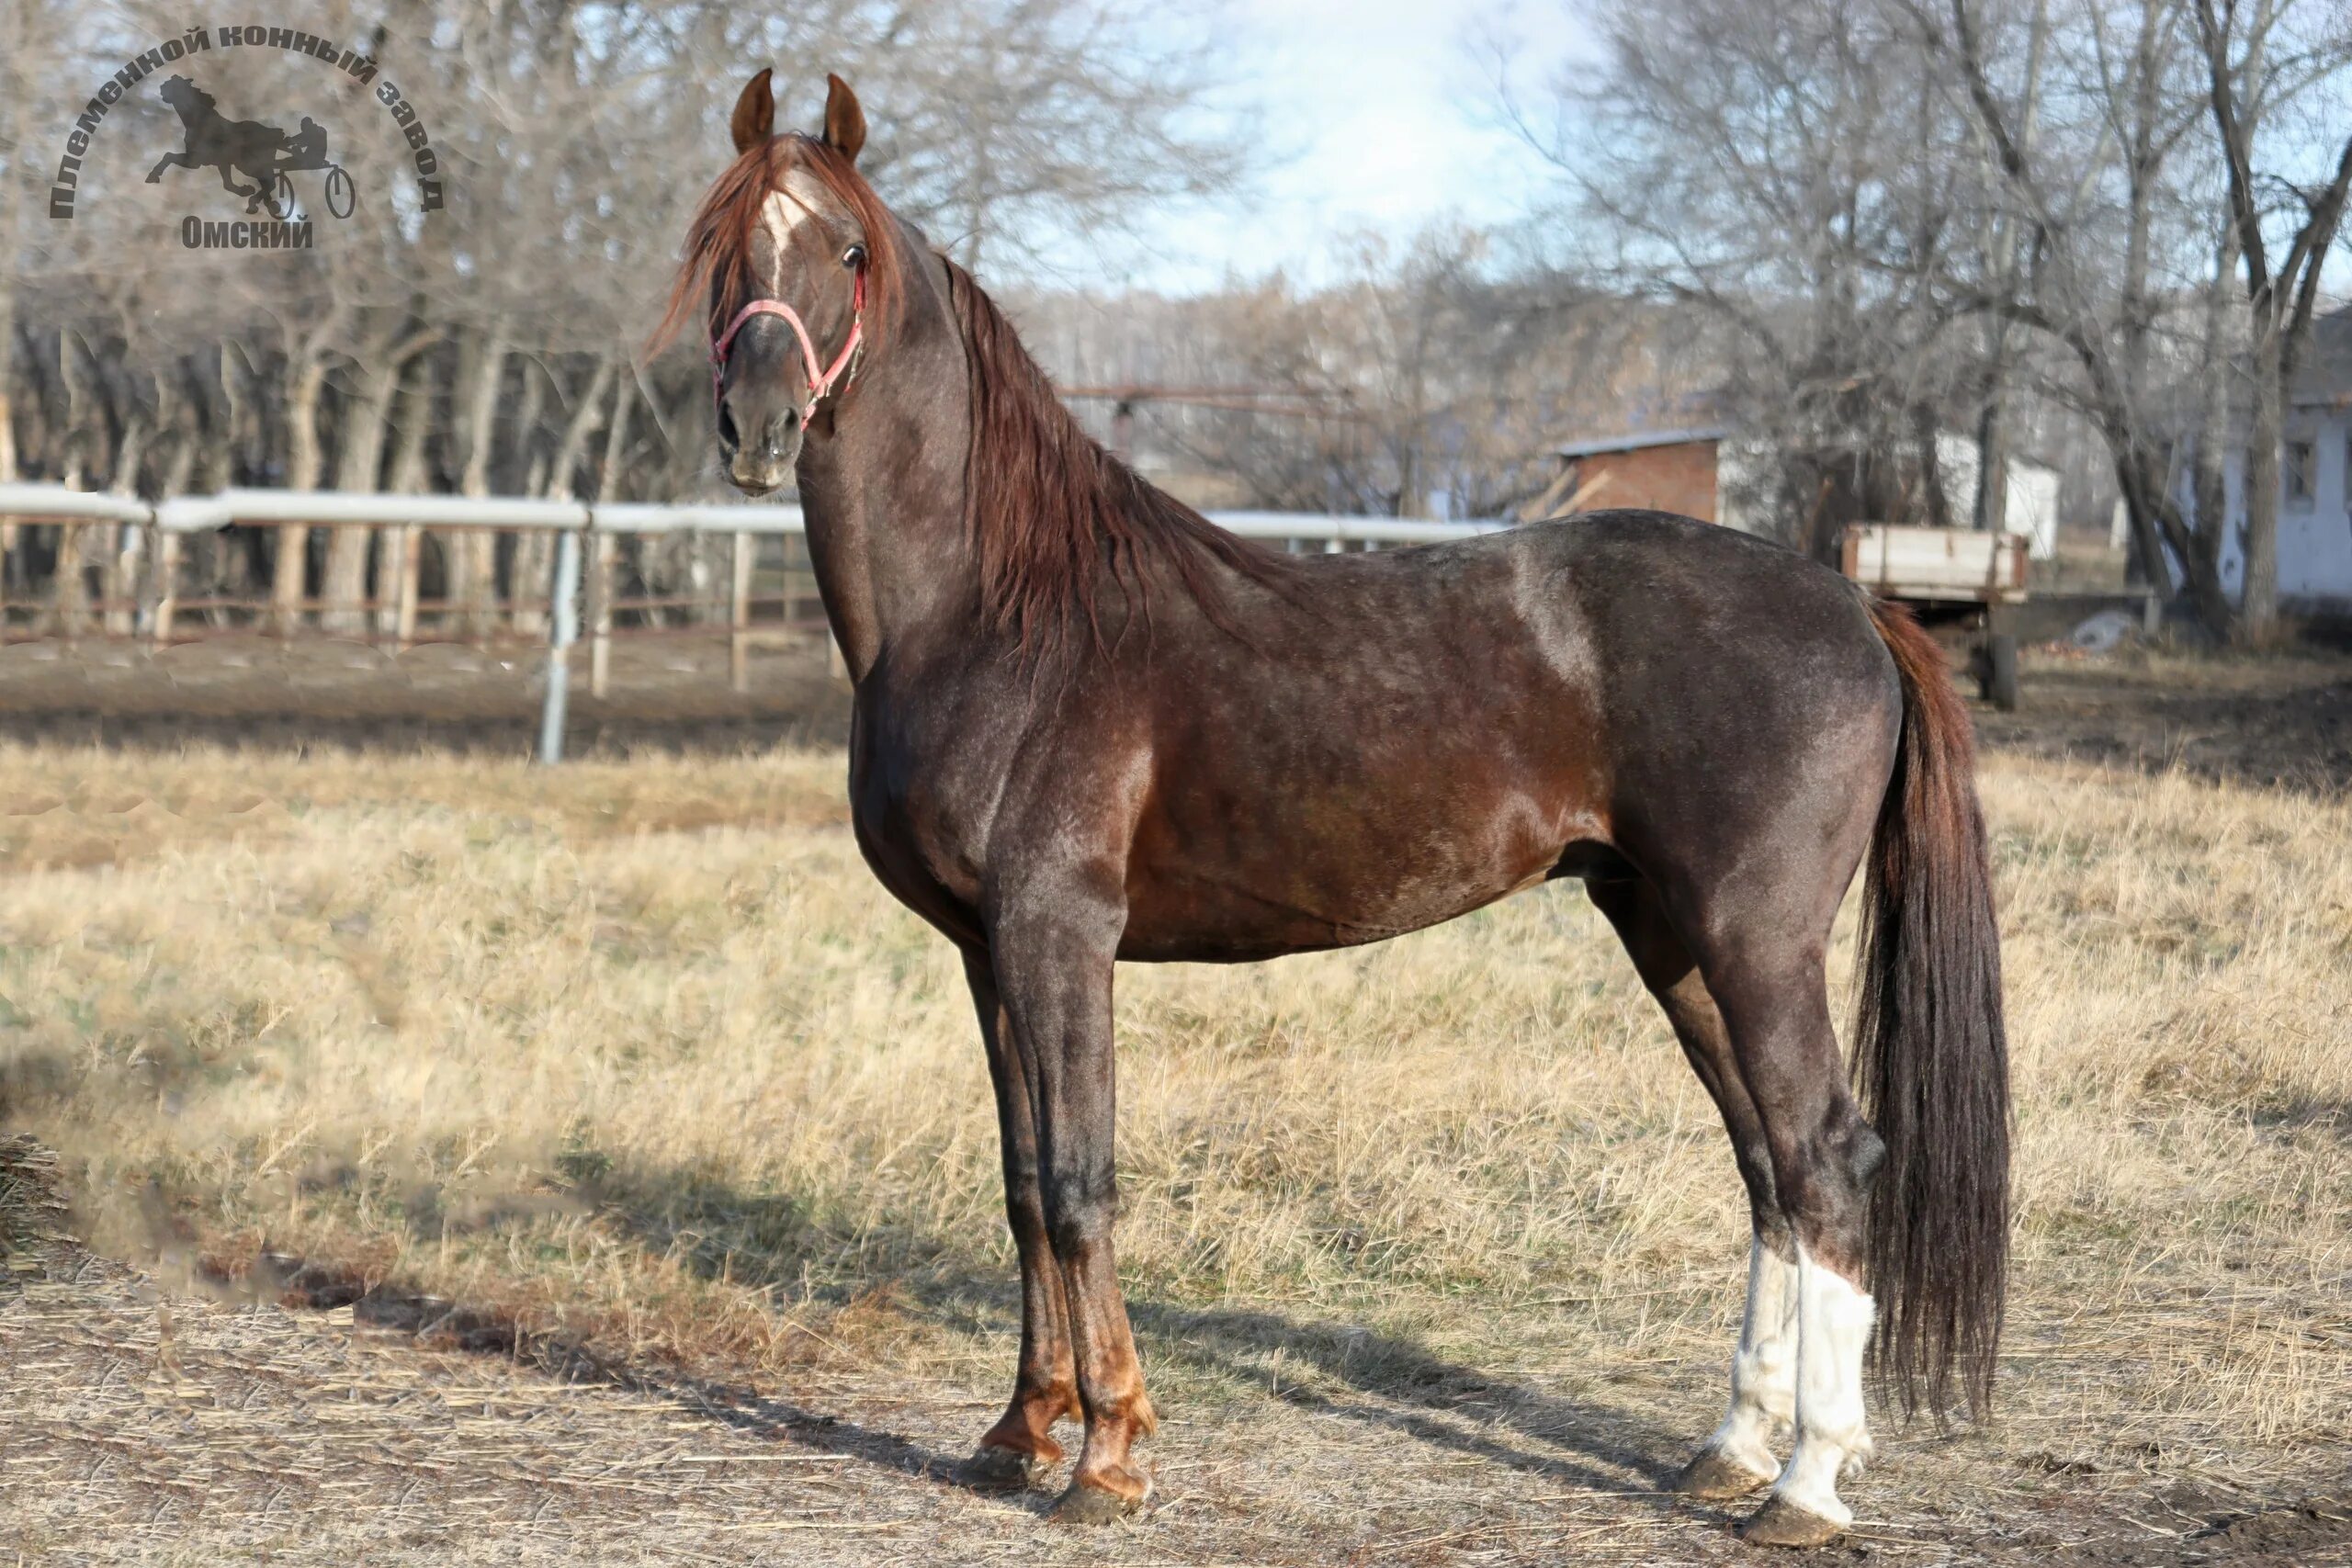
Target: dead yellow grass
[[640, 1056]]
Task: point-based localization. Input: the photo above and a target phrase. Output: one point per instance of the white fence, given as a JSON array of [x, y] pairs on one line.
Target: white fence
[[598, 524]]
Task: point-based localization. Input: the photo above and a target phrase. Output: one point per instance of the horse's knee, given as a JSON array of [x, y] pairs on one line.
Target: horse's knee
[[1079, 1209]]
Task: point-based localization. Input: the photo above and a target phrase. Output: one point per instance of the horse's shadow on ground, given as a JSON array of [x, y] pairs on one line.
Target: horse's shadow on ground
[[1389, 1384]]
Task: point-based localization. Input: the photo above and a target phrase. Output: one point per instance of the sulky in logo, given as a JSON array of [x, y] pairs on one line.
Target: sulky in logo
[[256, 160]]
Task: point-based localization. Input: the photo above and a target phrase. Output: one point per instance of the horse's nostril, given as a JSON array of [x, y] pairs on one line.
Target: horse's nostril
[[728, 434]]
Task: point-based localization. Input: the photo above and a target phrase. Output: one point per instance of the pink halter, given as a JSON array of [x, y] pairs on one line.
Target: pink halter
[[819, 387]]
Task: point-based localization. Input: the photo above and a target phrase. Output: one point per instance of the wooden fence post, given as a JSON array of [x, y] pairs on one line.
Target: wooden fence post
[[70, 591], [600, 642], [167, 588], [7, 548], [411, 565], [289, 577], [739, 650], [120, 576]]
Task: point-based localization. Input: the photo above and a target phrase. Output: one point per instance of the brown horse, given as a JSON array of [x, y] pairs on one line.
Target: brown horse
[[1091, 726]]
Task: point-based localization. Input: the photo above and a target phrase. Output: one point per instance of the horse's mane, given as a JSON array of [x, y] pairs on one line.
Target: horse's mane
[[1044, 506]]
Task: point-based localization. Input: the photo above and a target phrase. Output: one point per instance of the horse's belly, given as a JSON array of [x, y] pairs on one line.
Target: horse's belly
[[1227, 897]]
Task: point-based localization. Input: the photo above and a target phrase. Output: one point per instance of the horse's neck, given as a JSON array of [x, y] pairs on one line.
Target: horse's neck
[[883, 494]]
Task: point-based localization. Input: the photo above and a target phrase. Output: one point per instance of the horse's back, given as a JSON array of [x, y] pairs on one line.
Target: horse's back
[[1409, 735]]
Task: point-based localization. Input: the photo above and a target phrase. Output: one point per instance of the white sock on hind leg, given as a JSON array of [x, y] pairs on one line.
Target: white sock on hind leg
[[1764, 1368], [1834, 1321]]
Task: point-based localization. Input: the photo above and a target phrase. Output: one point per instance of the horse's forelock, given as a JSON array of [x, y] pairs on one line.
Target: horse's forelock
[[716, 274]]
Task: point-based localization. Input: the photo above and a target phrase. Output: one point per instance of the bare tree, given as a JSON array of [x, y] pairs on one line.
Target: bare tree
[[471, 347], [1791, 172], [2243, 70]]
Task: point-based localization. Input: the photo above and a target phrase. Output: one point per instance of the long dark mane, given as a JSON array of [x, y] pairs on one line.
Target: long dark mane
[[1044, 506]]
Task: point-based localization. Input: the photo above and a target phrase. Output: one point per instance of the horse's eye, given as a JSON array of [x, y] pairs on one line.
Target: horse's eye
[[853, 257]]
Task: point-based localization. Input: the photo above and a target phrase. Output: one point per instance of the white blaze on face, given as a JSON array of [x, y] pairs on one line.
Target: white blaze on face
[[1833, 1329], [794, 207], [1764, 1369]]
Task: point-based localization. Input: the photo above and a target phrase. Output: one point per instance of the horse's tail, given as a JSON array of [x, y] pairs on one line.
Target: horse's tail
[[1930, 1055]]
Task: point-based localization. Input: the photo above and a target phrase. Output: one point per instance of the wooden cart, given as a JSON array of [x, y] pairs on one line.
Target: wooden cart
[[1956, 580]]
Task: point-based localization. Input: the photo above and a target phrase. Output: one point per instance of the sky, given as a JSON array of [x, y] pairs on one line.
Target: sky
[[1379, 115]]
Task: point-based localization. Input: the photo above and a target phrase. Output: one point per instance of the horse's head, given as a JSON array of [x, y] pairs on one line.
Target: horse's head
[[182, 93], [791, 257]]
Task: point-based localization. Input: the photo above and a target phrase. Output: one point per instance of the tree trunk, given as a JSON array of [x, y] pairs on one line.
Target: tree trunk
[[70, 592], [616, 439], [412, 417], [358, 466], [2258, 599], [121, 568], [305, 462], [473, 552], [528, 570], [2218, 375]]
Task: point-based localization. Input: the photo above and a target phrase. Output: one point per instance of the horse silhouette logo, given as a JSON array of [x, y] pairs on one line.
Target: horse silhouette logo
[[254, 149]]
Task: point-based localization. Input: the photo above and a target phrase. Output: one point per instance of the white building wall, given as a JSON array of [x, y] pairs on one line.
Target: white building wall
[[2028, 507], [1748, 482], [2314, 536]]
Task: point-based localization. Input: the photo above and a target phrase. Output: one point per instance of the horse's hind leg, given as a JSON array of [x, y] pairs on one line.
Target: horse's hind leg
[[1014, 1452], [1775, 1005], [1737, 1459]]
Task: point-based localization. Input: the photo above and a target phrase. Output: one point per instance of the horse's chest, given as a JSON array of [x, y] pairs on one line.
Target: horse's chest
[[919, 844]]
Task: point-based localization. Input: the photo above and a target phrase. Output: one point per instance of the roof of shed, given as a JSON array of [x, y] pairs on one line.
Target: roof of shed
[[1637, 440]]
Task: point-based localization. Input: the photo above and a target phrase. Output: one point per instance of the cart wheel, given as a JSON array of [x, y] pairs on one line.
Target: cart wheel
[[281, 200], [341, 198], [1999, 679]]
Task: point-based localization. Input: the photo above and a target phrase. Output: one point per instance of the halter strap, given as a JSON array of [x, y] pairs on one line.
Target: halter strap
[[819, 386]]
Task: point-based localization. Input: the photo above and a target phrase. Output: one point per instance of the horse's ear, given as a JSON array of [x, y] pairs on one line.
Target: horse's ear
[[754, 114], [844, 121]]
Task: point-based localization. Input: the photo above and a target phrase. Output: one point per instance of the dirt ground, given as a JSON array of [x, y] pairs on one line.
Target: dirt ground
[[2283, 720], [140, 1425], [146, 1419], [668, 693]]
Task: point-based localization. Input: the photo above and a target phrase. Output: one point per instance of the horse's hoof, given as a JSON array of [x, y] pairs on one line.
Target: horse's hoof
[[993, 1468], [1712, 1476], [1084, 1505], [1782, 1523]]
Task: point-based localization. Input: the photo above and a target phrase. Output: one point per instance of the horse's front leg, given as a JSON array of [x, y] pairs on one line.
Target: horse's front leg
[[1021, 1445], [1053, 948], [169, 161]]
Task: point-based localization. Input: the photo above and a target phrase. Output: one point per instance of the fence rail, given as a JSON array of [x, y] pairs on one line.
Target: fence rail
[[585, 535], [329, 508]]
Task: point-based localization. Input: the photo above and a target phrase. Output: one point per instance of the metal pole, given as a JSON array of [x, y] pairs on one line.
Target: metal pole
[[560, 637]]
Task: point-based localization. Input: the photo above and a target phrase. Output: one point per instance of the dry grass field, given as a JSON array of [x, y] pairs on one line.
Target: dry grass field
[[597, 1166]]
